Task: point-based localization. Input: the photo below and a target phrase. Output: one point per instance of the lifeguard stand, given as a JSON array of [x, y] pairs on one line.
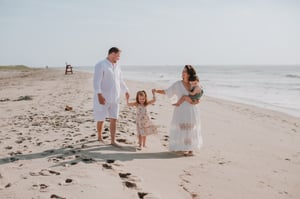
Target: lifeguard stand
[[68, 69]]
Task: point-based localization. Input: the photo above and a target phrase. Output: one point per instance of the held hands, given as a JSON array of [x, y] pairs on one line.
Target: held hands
[[127, 96], [153, 91]]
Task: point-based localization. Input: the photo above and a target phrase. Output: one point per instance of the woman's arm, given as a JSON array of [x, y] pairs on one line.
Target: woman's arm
[[153, 99], [160, 91]]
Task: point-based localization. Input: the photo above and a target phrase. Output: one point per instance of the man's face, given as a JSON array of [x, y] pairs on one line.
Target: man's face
[[115, 57]]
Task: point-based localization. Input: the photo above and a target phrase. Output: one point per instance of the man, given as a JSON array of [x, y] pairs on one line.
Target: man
[[108, 85]]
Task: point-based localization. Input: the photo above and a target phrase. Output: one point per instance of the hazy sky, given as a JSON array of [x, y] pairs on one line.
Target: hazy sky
[[150, 32]]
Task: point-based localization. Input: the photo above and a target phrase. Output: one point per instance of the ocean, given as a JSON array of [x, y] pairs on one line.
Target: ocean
[[271, 87]]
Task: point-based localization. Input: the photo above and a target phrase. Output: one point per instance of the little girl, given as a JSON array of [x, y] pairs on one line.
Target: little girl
[[143, 122]]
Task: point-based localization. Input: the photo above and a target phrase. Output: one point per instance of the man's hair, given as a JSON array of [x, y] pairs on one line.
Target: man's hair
[[113, 50]]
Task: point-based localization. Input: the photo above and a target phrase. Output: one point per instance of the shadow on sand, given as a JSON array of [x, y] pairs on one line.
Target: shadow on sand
[[88, 153]]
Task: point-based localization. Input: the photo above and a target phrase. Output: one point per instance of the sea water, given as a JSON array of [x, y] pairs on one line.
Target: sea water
[[271, 87]]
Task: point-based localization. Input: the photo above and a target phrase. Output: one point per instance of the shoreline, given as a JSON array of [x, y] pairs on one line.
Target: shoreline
[[245, 101], [46, 151], [278, 110]]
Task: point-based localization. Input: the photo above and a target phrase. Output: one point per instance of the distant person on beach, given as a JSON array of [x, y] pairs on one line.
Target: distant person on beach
[[195, 93], [108, 86], [144, 124], [185, 129]]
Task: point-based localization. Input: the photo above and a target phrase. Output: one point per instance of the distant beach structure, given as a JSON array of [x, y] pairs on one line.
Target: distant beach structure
[[69, 69]]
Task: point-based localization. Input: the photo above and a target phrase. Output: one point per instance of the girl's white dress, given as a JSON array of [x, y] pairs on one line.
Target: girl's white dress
[[185, 129], [143, 121]]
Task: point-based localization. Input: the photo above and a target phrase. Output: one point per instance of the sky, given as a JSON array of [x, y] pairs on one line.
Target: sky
[[150, 32]]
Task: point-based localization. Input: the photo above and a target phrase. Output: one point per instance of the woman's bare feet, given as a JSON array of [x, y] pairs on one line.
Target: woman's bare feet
[[189, 153]]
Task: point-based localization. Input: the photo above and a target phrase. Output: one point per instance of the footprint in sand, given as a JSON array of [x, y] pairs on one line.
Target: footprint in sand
[[66, 182], [8, 147], [44, 172], [15, 153], [110, 161], [142, 195], [56, 196], [124, 175], [41, 187], [129, 184], [107, 166], [122, 140]]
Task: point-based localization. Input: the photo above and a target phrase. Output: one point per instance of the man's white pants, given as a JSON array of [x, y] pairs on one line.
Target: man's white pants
[[108, 110]]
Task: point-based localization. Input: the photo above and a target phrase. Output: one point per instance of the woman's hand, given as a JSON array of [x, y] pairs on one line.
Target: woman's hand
[[195, 102], [159, 91]]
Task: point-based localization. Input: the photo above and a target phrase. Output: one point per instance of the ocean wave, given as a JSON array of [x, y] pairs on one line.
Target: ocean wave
[[293, 76], [228, 86]]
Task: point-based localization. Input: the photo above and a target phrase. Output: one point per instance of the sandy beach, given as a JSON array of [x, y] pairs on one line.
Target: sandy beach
[[48, 151]]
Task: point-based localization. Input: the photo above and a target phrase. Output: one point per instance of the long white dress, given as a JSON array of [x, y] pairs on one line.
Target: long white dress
[[185, 129]]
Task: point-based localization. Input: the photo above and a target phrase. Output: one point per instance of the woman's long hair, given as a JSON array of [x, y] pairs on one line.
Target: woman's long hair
[[190, 70]]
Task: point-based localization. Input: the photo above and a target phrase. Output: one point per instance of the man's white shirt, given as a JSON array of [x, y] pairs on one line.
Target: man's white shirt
[[109, 82]]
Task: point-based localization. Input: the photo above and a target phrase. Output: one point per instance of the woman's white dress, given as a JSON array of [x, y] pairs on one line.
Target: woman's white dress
[[185, 129]]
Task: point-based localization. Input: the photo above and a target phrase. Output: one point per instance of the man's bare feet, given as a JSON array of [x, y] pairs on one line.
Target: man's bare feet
[[101, 141], [115, 144]]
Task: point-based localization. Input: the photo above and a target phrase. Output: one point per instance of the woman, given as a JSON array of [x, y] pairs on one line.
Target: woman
[[185, 129]]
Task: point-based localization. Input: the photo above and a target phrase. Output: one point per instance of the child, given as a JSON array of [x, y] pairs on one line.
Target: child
[[144, 124], [195, 93]]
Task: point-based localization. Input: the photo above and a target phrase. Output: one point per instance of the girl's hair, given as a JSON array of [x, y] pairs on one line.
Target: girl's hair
[[190, 70], [141, 93]]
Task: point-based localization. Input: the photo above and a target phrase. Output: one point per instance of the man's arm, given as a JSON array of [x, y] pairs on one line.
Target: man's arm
[[124, 88], [98, 77]]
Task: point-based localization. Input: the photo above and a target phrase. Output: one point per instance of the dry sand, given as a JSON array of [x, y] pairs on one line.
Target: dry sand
[[48, 152]]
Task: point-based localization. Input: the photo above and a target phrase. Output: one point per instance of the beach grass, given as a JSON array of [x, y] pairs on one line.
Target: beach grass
[[15, 67]]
